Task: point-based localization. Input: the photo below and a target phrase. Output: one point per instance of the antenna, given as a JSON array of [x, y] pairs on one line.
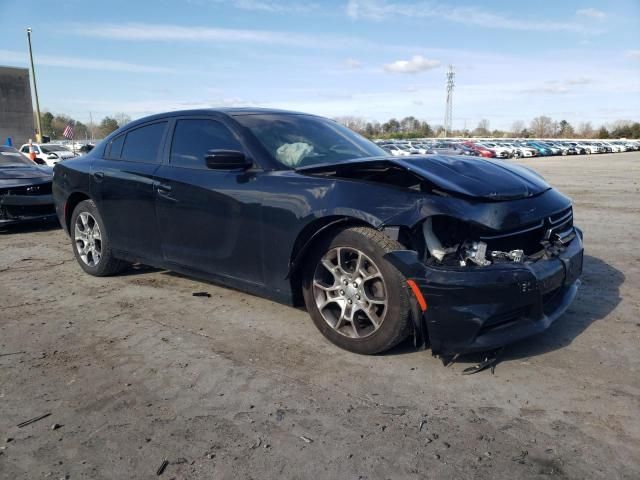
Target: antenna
[[448, 113]]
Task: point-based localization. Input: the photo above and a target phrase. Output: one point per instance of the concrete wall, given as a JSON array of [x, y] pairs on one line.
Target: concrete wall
[[16, 108]]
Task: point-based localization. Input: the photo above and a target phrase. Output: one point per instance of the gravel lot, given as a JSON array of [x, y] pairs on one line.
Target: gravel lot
[[135, 370]]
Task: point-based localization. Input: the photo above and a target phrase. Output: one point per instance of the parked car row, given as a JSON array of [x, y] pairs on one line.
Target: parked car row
[[51, 153], [506, 148]]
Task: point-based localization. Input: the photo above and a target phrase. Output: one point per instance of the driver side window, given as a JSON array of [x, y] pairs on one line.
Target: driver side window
[[192, 138]]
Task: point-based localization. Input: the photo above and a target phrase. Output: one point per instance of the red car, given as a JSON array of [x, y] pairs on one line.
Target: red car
[[482, 151]]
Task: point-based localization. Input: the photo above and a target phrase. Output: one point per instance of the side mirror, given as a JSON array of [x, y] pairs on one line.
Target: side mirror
[[226, 160], [52, 156]]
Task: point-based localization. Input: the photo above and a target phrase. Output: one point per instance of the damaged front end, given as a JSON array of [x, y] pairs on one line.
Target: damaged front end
[[484, 288], [22, 203], [492, 255]]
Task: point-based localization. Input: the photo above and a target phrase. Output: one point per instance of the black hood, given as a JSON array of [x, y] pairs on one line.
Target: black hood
[[457, 175]]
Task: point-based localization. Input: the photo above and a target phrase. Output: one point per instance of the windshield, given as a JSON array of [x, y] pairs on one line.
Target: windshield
[[9, 156], [53, 148], [303, 140]]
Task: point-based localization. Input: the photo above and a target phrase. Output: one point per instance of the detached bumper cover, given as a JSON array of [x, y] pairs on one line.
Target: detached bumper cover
[[482, 308]]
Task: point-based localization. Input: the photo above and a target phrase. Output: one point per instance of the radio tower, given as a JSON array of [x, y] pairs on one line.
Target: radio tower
[[448, 113]]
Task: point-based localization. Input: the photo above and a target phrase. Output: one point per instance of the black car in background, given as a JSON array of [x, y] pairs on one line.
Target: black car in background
[[25, 189], [470, 253]]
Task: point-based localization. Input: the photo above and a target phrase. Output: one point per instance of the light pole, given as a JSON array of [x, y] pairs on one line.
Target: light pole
[[35, 90]]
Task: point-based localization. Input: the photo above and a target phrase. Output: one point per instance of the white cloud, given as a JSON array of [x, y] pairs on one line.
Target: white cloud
[[416, 64], [635, 54], [159, 32], [81, 63], [272, 6], [555, 87], [591, 13], [551, 88], [379, 10], [578, 81]]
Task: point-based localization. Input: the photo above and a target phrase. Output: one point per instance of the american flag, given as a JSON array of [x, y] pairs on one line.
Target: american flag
[[68, 132]]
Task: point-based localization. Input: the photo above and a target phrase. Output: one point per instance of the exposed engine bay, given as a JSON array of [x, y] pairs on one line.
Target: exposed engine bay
[[450, 242]]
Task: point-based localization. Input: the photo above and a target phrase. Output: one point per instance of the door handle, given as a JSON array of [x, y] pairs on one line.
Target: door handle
[[98, 176], [164, 191]]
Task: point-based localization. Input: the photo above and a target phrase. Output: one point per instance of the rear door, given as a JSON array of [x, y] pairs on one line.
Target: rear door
[[123, 185], [209, 220]]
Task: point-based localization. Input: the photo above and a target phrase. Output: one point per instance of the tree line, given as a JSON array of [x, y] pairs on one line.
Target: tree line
[[539, 127], [408, 127], [53, 126]]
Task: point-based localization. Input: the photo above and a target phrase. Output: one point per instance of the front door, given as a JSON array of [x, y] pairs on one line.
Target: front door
[[209, 220]]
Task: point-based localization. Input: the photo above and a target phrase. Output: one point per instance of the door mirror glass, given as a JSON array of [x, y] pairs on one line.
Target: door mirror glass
[[226, 160]]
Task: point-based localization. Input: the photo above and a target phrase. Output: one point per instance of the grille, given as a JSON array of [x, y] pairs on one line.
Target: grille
[[560, 226], [555, 227], [39, 189]]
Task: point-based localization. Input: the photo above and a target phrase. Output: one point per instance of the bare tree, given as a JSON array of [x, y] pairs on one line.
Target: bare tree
[[357, 124], [542, 127], [122, 118], [585, 129], [517, 127], [482, 130]]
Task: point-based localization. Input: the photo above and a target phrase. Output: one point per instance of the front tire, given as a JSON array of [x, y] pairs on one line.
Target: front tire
[[90, 242], [356, 298]]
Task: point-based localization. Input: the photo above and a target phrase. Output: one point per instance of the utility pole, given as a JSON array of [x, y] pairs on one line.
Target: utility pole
[[448, 113], [35, 90]]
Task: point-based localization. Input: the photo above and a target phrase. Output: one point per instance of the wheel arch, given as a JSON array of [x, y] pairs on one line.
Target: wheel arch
[[309, 235], [69, 206]]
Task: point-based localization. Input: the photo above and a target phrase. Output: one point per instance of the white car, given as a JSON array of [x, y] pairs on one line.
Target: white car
[[586, 147], [522, 151], [614, 148], [417, 148], [595, 148], [47, 153], [395, 150]]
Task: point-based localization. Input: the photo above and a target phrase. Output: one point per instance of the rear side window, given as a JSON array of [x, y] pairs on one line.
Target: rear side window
[[142, 144], [115, 147], [193, 137]]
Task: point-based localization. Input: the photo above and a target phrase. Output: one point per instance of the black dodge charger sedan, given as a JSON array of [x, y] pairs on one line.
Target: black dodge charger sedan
[[25, 189], [466, 254]]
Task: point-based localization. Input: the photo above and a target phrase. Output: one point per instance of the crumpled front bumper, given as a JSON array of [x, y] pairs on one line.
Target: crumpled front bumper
[[483, 308]]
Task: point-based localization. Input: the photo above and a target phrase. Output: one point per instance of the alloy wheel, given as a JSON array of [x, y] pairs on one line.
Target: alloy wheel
[[88, 239], [350, 292]]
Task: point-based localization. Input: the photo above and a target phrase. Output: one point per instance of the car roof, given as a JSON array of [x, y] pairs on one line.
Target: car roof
[[229, 111]]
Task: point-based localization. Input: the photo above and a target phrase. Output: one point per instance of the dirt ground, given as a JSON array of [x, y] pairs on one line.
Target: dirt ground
[[135, 370]]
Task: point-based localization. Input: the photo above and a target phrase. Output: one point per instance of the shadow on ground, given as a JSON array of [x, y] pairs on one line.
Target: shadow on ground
[[597, 297]]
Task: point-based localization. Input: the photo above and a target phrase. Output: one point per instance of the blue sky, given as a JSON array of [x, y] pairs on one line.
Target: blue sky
[[573, 60]]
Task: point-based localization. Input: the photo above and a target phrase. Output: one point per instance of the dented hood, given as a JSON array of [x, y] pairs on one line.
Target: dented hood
[[456, 175]]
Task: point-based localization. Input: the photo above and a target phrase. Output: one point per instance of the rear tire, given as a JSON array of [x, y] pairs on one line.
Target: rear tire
[[90, 242], [371, 312]]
